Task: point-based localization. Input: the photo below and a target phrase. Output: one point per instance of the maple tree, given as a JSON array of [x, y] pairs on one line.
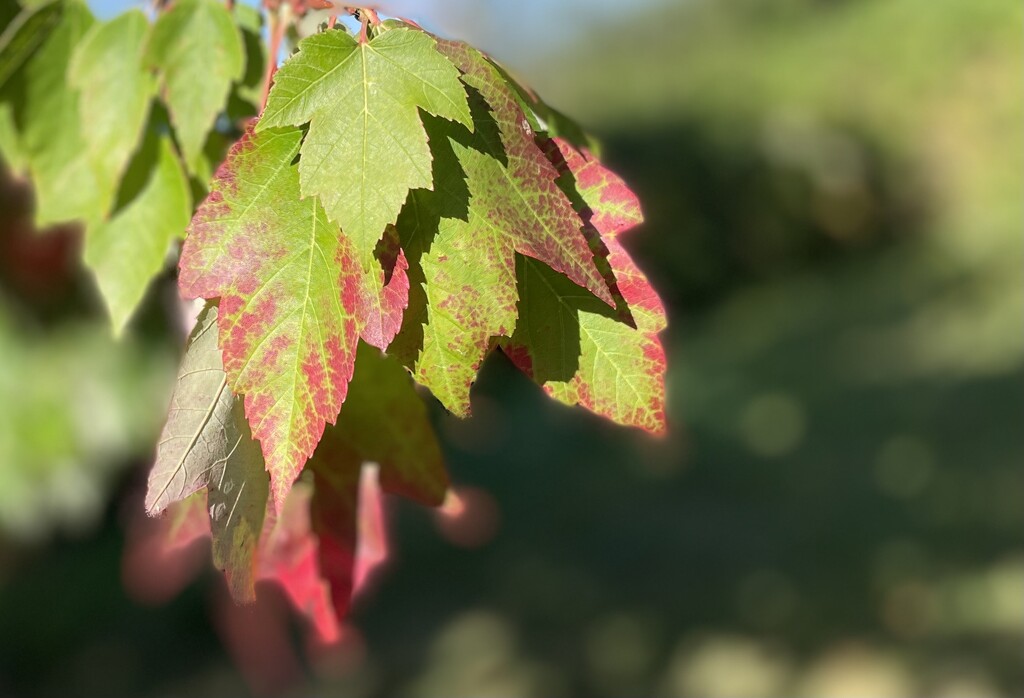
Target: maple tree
[[385, 210]]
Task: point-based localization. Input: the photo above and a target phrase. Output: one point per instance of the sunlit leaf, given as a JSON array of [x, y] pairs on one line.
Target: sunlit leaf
[[291, 295], [114, 89], [366, 147], [128, 250]]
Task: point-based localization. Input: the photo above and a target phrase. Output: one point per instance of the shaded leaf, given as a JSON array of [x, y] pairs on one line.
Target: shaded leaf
[[205, 446], [366, 147], [197, 51], [386, 422], [24, 34]]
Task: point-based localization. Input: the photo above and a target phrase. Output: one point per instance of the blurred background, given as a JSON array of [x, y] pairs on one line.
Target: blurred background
[[833, 192]]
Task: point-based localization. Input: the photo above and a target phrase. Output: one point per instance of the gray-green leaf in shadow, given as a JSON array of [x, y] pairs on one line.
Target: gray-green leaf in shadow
[[206, 443]]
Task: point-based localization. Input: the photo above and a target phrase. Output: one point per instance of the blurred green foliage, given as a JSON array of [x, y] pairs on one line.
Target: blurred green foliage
[[77, 406], [833, 200]]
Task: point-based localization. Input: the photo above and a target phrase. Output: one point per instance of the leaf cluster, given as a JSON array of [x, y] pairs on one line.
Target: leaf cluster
[[400, 209]]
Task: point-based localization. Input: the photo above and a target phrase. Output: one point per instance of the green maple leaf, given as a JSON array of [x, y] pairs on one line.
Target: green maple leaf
[[197, 50], [496, 195], [52, 140], [292, 297], [206, 445], [126, 251], [366, 147], [579, 349], [114, 89]]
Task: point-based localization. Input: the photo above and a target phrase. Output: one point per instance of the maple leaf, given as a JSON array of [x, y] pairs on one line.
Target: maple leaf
[[328, 537], [385, 293], [52, 138], [289, 558], [114, 89], [385, 421], [128, 250], [206, 448], [197, 50], [291, 295], [580, 351], [495, 195], [366, 147], [288, 328], [336, 470]]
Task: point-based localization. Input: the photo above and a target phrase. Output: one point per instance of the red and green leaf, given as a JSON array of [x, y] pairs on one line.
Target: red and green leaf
[[291, 291], [496, 195], [612, 363], [289, 558], [328, 536]]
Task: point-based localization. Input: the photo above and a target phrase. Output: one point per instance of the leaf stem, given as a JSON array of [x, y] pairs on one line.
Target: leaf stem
[[363, 21], [367, 17], [277, 29]]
